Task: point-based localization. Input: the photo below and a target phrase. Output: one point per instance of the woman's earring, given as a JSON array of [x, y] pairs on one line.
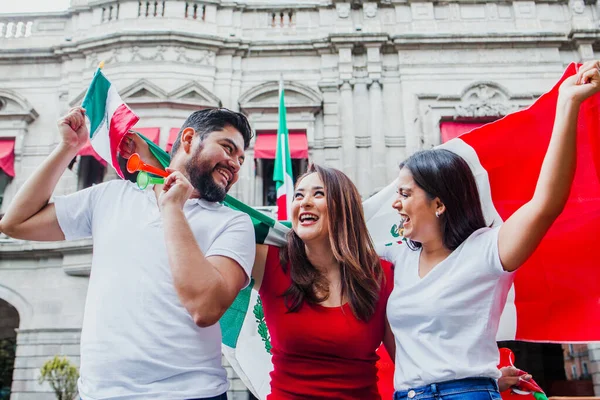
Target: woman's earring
[[437, 214]]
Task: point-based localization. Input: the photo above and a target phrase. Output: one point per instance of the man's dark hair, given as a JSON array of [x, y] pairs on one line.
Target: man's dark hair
[[215, 119]]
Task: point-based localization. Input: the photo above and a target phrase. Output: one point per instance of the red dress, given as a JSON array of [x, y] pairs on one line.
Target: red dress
[[320, 352]]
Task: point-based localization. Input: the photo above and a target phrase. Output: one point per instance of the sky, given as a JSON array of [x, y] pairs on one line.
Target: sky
[[26, 6]]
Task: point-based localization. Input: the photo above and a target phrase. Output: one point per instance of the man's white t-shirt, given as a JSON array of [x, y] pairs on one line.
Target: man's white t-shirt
[[445, 323], [138, 341]]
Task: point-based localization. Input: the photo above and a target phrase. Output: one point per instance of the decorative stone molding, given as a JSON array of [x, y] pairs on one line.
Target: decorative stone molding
[[484, 100], [332, 142], [136, 54], [15, 107], [343, 10], [195, 91], [370, 10], [362, 141], [77, 254], [484, 110], [480, 100], [578, 6], [265, 98], [143, 88], [204, 57], [15, 29], [143, 93], [395, 141], [20, 303]]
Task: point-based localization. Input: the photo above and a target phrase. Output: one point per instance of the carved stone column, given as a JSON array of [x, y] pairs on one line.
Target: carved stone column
[[347, 129], [346, 72], [374, 69], [331, 124], [378, 167], [236, 81], [362, 137], [394, 129]]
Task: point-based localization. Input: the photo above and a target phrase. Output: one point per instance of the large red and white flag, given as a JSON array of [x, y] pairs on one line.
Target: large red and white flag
[[556, 293]]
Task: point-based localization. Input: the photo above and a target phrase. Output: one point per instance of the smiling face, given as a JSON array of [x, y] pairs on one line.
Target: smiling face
[[310, 219], [417, 210], [215, 164]]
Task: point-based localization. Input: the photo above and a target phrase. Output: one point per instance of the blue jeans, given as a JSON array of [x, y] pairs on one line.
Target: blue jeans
[[462, 389], [220, 397]]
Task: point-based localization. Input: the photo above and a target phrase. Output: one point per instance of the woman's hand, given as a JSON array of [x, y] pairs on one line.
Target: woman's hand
[[583, 84], [511, 377]]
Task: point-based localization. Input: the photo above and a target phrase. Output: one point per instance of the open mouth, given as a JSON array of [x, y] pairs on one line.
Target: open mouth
[[404, 219], [225, 173], [308, 218]]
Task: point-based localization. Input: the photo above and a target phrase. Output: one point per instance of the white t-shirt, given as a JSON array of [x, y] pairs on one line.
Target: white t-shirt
[[138, 341], [445, 324]]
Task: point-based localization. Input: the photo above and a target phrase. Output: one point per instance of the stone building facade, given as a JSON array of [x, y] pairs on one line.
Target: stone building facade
[[367, 83]]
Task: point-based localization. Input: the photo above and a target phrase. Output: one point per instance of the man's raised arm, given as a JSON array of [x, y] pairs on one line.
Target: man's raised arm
[[29, 215]]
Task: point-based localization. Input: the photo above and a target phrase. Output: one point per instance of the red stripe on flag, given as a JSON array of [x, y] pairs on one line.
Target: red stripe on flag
[[122, 120], [282, 208], [557, 291]]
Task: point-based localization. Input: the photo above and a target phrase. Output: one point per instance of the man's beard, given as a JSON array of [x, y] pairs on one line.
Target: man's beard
[[202, 180]]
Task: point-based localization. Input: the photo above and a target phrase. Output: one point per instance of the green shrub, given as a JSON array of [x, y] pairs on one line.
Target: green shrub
[[62, 377]]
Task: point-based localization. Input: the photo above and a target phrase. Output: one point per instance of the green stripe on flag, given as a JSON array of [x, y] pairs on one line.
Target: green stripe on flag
[[283, 160], [231, 322], [162, 156], [94, 102]]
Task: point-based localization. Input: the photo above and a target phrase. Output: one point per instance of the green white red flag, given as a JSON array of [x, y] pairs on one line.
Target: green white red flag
[[282, 172], [110, 118]]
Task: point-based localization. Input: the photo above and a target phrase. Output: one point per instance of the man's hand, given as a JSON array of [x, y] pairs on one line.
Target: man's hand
[[176, 190], [72, 128], [511, 377]]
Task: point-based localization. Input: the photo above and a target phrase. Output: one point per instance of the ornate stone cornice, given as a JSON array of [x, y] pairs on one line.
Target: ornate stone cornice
[[12, 249], [461, 39]]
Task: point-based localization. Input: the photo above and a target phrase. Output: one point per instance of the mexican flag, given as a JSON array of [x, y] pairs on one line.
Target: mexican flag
[[282, 173], [555, 294], [109, 117]]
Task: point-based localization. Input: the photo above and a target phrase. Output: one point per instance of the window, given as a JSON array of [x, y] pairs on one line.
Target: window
[[584, 367], [571, 350], [4, 181], [265, 153], [265, 170], [451, 129], [574, 371], [90, 172]]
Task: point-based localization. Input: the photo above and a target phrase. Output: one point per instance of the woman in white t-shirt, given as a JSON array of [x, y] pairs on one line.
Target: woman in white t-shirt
[[452, 278]]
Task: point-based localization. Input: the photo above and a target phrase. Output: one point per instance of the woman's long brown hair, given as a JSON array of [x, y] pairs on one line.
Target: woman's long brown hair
[[361, 272]]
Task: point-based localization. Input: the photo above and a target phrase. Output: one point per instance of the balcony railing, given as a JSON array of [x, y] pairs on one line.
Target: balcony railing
[[283, 19], [15, 29]]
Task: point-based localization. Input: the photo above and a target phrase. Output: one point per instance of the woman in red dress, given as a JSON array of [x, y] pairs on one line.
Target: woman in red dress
[[324, 295]]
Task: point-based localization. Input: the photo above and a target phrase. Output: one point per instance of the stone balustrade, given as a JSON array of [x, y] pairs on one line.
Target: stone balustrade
[[15, 29]]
